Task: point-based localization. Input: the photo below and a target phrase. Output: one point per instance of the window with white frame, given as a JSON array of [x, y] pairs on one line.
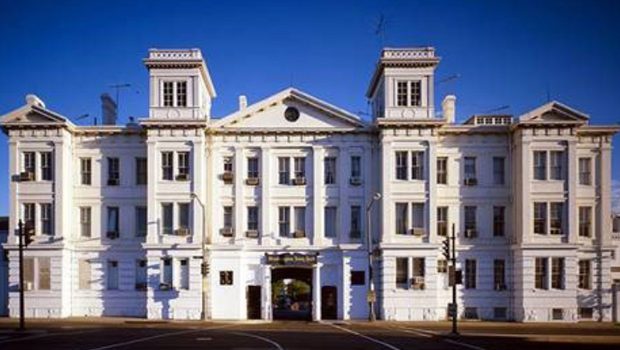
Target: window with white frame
[[47, 222], [442, 221], [442, 170], [112, 275], [141, 274], [330, 221], [183, 166], [141, 171], [228, 217], [141, 221], [167, 168], [168, 93], [540, 218], [541, 272], [330, 170], [84, 273], [165, 282], [417, 165], [174, 93], [417, 218], [253, 218], [284, 221], [556, 165], [228, 165], [499, 221], [401, 165], [401, 93], [37, 273], [181, 94], [470, 220], [408, 93], [184, 273], [300, 219], [470, 168], [46, 166], [86, 171], [44, 273], [402, 273], [167, 217], [356, 167], [30, 163], [556, 218], [29, 272], [184, 216], [113, 220], [585, 221], [585, 274], [85, 222], [113, 171], [284, 170], [585, 172], [540, 165], [300, 167], [401, 218], [499, 274], [442, 266], [356, 221], [253, 168], [470, 273], [498, 170], [557, 273], [29, 216]]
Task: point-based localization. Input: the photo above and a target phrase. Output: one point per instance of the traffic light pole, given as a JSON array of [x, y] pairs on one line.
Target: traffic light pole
[[22, 323], [453, 258]]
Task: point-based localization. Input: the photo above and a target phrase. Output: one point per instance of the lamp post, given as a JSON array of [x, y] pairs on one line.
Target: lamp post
[[371, 288], [204, 268]]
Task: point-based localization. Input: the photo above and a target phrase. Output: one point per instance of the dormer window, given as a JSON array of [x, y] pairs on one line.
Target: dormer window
[[175, 94], [408, 93]]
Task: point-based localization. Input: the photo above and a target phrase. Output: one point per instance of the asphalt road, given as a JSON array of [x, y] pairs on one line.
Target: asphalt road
[[67, 334]]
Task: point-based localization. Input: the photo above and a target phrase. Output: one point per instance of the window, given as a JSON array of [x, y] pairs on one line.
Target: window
[[85, 221], [499, 274], [284, 221], [541, 271], [113, 220], [86, 171], [252, 168], [401, 165], [44, 273], [499, 221], [585, 221], [141, 171], [470, 168], [253, 218], [226, 278], [586, 313], [30, 163], [442, 170], [356, 167], [442, 221], [141, 274], [470, 220], [184, 273], [500, 313], [181, 93], [300, 167], [401, 93], [330, 170], [556, 216], [113, 172], [470, 274], [470, 313], [183, 158], [47, 225], [417, 165], [540, 165], [228, 217], [167, 218], [228, 164], [300, 219], [184, 215], [442, 266], [84, 272], [284, 170], [585, 175], [46, 166], [415, 95], [167, 169], [141, 221], [166, 276], [557, 314], [417, 218], [29, 216], [356, 221], [330, 221], [556, 159], [408, 93], [557, 273], [112, 275], [585, 274], [401, 218], [28, 273], [418, 273], [168, 93], [540, 218], [402, 272], [498, 170], [358, 278]]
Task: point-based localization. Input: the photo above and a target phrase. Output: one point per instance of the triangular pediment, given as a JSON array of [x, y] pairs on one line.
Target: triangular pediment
[[554, 112], [270, 113], [34, 112]]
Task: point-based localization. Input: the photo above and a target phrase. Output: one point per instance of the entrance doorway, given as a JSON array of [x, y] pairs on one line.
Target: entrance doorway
[[329, 303], [291, 293], [254, 302]]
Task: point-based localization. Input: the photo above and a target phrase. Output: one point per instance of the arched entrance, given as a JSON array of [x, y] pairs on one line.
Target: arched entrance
[[291, 293]]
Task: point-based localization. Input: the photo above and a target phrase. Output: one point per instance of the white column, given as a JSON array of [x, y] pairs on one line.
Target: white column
[[152, 204], [345, 289], [239, 205], [316, 291], [431, 184], [317, 195], [572, 213], [387, 166], [266, 294], [342, 181], [265, 206], [604, 191]]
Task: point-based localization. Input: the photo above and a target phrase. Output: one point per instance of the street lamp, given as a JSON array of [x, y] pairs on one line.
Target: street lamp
[[371, 288], [204, 267]]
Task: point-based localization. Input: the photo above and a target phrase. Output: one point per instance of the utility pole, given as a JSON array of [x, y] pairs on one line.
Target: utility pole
[[204, 267], [371, 296], [454, 281], [22, 322]]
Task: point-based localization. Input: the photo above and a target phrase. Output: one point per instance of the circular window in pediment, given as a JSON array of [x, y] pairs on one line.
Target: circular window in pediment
[[291, 114]]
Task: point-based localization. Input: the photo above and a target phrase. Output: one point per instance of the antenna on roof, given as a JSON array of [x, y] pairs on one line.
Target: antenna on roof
[[448, 79], [118, 88], [502, 108], [86, 115], [380, 29]]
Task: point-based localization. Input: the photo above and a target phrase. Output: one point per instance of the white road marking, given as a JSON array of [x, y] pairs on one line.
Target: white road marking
[[259, 337], [204, 339], [414, 332], [463, 344], [389, 346], [140, 340], [429, 333], [44, 336]]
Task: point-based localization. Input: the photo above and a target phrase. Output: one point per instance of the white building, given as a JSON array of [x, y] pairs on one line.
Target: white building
[[124, 216]]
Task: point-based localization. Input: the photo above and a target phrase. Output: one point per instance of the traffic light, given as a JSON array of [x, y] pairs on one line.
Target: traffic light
[[446, 248], [204, 268], [28, 234]]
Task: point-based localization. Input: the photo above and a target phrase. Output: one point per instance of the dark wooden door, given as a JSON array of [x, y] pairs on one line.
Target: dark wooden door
[[254, 302], [329, 303]]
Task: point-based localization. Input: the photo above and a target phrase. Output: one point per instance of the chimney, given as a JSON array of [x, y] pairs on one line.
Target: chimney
[[243, 102], [448, 108], [108, 110]]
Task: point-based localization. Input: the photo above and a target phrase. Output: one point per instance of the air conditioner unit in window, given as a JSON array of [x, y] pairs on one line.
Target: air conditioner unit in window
[[26, 176], [165, 286], [112, 234], [251, 233], [182, 177], [355, 181], [252, 181], [299, 234], [228, 177], [183, 231], [299, 181], [417, 231], [227, 231], [471, 182], [555, 231], [417, 282], [113, 182], [141, 286], [471, 233]]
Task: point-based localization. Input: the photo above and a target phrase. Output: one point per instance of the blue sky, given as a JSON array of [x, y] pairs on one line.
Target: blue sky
[[507, 52]]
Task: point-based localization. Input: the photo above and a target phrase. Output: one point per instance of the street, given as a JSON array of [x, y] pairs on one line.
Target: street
[[82, 334]]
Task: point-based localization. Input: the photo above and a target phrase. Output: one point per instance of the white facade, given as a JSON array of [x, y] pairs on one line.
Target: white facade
[[293, 174]]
